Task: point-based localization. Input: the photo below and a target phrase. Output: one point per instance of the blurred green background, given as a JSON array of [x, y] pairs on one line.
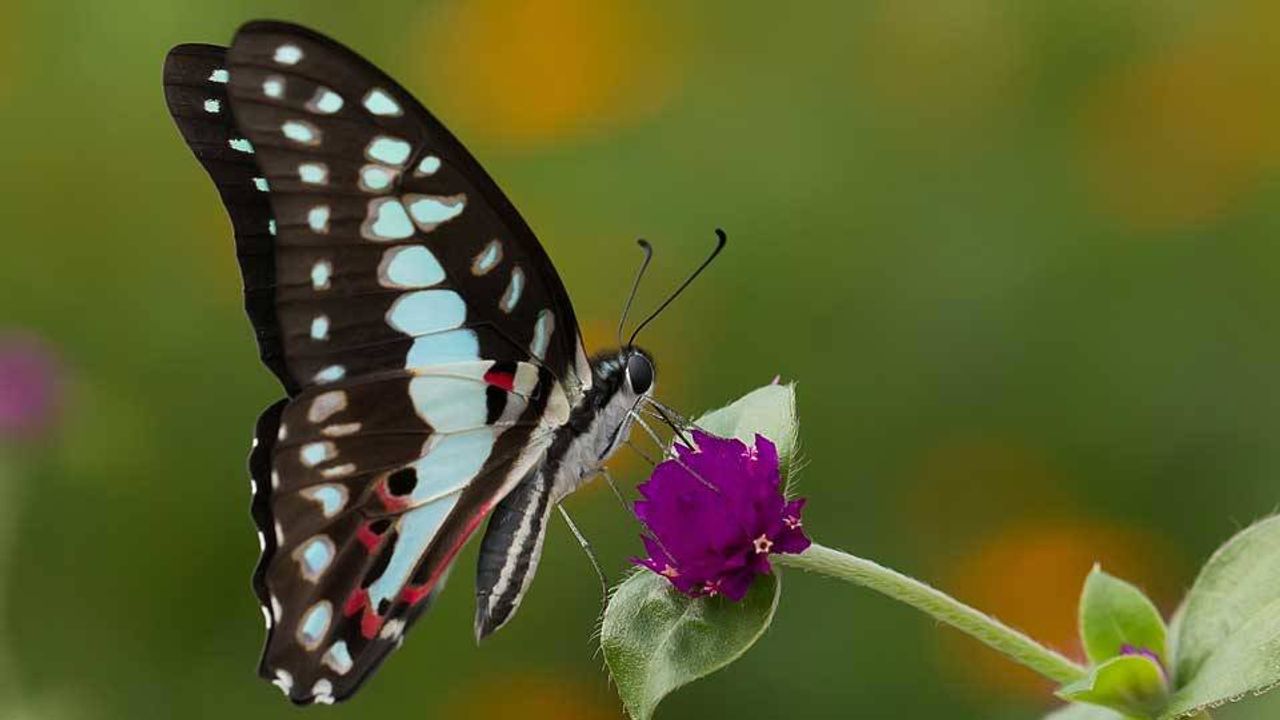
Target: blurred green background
[[1020, 256]]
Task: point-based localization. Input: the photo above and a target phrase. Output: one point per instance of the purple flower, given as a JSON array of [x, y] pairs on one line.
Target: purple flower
[[715, 513], [29, 387]]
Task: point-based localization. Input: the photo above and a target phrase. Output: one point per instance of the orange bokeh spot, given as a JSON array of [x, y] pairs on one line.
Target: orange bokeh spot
[[1178, 138], [524, 72], [1030, 576]]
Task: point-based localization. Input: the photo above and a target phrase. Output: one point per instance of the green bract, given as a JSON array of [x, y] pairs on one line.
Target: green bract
[[1084, 712], [1131, 684], [1115, 615], [656, 640], [1118, 625], [769, 411]]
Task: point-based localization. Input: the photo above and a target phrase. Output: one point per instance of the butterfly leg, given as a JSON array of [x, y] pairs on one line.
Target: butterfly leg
[[604, 472], [586, 548]]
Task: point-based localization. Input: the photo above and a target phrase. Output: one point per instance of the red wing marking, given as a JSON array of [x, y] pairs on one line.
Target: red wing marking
[[501, 378]]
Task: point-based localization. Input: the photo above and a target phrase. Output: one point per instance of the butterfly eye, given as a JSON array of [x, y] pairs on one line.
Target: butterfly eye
[[639, 373]]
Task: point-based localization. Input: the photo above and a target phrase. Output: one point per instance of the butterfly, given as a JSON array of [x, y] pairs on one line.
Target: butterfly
[[434, 371]]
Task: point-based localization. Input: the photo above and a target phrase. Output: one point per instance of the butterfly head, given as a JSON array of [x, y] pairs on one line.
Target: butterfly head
[[624, 375], [639, 372]]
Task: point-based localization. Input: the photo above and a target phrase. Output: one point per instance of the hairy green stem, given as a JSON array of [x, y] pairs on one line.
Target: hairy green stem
[[1013, 644]]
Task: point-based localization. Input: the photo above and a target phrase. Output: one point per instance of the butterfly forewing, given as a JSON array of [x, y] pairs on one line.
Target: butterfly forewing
[[426, 343], [389, 232], [195, 83]]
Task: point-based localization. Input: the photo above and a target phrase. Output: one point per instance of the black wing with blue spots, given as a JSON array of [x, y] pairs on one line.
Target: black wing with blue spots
[[426, 343]]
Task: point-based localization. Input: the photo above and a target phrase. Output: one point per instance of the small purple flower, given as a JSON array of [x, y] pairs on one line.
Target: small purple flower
[[30, 391], [715, 513]]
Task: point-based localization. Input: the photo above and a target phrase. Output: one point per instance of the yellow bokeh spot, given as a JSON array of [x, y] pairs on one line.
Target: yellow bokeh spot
[[1030, 575], [525, 73], [942, 68], [1177, 138]]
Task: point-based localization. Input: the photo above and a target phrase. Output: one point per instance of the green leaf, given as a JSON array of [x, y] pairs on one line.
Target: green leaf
[[656, 640], [1228, 635], [769, 410], [1114, 614], [1084, 712], [1130, 684], [1240, 578], [1227, 644]]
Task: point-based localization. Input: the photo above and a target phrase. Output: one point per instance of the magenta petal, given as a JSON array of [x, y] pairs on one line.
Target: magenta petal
[[716, 513]]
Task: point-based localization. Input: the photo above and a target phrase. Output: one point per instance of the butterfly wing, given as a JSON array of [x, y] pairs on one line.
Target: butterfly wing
[[425, 341]]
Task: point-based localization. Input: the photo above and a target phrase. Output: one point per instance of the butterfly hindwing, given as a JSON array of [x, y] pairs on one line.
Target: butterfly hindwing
[[427, 345], [357, 494]]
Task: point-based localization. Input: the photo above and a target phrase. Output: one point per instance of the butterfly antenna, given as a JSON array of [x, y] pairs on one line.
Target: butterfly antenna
[[721, 240], [635, 286]]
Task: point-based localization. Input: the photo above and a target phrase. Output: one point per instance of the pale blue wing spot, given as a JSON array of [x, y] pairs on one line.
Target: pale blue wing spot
[[429, 211], [315, 624], [313, 173], [542, 329], [387, 221], [273, 87], [332, 498], [338, 658], [416, 530], [515, 287], [332, 373], [271, 226], [412, 266], [428, 165], [375, 178], [427, 311], [318, 221], [325, 101], [315, 556], [487, 259], [320, 327], [288, 54], [323, 269], [389, 150], [241, 144], [213, 105], [301, 132], [451, 463], [313, 454], [445, 347], [261, 184], [449, 404], [220, 76], [379, 102]]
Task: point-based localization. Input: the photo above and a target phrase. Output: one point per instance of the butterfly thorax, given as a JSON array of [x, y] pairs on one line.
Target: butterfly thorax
[[600, 422], [598, 425]]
